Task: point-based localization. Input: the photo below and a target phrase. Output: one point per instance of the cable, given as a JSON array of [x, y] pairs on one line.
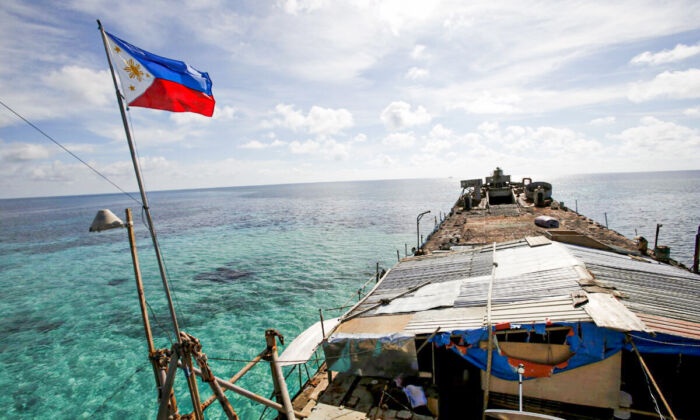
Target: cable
[[69, 152], [120, 389], [666, 342], [167, 273], [153, 314], [651, 394]]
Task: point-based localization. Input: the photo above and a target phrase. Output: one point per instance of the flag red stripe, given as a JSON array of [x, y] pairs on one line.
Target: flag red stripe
[[171, 96]]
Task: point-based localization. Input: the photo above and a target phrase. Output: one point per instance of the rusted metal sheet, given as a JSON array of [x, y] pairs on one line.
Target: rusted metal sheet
[[670, 326]]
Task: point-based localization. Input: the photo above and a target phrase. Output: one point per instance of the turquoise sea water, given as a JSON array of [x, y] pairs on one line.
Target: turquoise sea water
[[241, 260]]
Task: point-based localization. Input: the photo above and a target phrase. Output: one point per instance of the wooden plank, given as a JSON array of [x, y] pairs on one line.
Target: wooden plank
[[534, 241], [375, 324]]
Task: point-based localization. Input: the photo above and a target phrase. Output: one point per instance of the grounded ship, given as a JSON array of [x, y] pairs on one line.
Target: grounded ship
[[515, 307]]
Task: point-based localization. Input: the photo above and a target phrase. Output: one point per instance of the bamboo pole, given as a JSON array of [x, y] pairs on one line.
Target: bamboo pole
[[208, 377], [277, 376], [250, 395], [237, 376], [656, 386], [490, 330], [139, 291]]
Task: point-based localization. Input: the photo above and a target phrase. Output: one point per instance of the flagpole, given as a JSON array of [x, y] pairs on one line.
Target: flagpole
[[139, 179]]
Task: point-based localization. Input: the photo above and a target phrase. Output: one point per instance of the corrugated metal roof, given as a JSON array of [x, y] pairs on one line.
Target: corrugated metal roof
[[535, 283], [527, 286], [437, 269], [648, 287], [557, 309], [448, 319]]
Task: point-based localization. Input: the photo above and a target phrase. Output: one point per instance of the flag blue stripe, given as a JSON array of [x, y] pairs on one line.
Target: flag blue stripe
[[166, 68]]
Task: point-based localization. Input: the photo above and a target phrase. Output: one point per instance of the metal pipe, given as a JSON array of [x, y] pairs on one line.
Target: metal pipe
[[398, 256], [606, 219], [191, 382], [420, 216], [323, 330], [490, 330], [696, 256], [139, 180], [168, 384], [521, 370], [656, 239]]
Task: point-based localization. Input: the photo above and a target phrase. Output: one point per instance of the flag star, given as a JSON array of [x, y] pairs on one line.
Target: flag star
[[117, 49], [132, 87]]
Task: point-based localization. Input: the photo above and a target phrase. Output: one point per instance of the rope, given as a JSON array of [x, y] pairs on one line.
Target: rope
[[665, 342], [651, 394], [153, 314], [118, 390], [69, 152]]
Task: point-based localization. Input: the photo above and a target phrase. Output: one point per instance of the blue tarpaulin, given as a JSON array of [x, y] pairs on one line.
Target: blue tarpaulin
[[588, 343]]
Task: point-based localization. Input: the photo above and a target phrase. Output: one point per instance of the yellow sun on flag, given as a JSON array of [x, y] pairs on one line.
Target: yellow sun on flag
[[134, 70]]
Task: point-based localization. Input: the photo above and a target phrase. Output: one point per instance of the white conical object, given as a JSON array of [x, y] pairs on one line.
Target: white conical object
[[104, 220]]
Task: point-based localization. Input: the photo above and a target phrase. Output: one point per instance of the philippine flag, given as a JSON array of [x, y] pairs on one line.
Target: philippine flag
[[152, 81]]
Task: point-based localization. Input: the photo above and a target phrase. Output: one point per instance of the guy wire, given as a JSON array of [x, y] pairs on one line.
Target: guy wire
[[69, 152]]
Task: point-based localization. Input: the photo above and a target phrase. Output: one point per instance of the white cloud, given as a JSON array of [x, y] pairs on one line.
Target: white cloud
[[489, 103], [673, 85], [82, 85], [22, 152], [294, 7], [602, 121], [692, 112], [400, 140], [253, 144], [416, 73], [418, 52], [257, 145], [398, 115], [360, 138], [668, 138], [321, 121], [680, 52], [328, 149], [221, 113], [383, 160]]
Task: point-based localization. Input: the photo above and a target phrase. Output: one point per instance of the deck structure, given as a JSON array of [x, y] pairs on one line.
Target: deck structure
[[589, 316]]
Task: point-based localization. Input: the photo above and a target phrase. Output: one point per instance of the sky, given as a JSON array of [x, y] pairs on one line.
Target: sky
[[310, 91]]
